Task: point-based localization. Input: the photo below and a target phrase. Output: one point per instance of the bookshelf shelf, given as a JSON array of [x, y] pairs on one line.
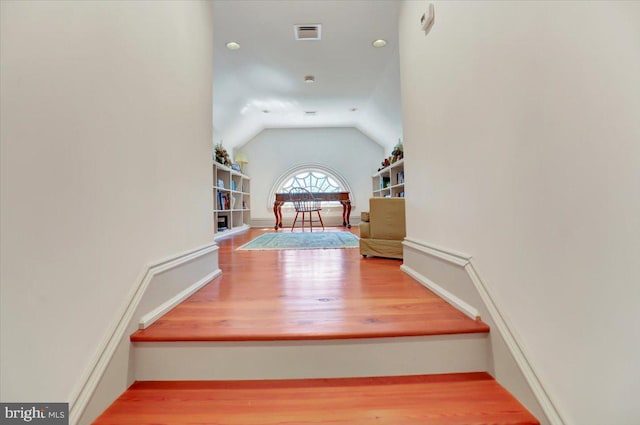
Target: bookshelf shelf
[[231, 200], [389, 182]]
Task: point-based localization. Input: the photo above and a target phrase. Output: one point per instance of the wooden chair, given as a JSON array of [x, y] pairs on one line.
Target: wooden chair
[[305, 203]]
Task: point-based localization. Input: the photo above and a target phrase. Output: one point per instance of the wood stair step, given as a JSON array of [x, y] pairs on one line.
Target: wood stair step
[[450, 399], [302, 295]]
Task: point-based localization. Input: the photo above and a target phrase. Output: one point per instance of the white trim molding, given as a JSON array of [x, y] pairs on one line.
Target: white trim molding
[[442, 293], [500, 323], [515, 347], [329, 221], [90, 379], [148, 319], [451, 256], [233, 231]]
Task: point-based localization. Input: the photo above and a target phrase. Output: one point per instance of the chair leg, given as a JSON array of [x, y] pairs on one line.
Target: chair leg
[[320, 217], [294, 222]]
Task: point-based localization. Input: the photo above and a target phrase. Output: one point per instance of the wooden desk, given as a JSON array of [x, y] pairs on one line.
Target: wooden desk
[[342, 197]]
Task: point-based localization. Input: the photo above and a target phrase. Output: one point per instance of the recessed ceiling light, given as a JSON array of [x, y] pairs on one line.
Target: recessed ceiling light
[[379, 43], [232, 45], [309, 79], [353, 109], [266, 111]]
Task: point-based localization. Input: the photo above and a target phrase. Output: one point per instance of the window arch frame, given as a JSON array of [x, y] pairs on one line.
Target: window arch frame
[[309, 167]]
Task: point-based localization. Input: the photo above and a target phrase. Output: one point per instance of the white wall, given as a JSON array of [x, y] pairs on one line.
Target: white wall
[[384, 108], [106, 150], [522, 129], [346, 150]]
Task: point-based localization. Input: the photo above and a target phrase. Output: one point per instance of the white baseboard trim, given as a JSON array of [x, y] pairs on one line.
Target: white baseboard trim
[[263, 223], [451, 256], [512, 342], [91, 377], [515, 347], [443, 293], [269, 223], [148, 319], [234, 231]]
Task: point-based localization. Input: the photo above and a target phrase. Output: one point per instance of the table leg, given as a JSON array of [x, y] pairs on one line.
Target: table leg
[[277, 211], [346, 213]]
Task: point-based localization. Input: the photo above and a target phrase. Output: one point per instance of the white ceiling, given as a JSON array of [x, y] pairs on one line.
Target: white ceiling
[[267, 72]]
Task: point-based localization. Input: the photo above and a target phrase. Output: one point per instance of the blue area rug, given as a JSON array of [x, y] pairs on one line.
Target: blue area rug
[[302, 240]]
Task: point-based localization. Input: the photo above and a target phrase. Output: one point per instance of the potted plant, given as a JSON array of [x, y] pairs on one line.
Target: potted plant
[[221, 155]]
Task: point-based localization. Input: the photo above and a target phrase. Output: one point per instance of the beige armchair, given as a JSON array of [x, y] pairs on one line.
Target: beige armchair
[[383, 228]]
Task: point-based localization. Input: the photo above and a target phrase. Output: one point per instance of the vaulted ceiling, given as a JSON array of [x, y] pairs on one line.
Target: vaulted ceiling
[[261, 85]]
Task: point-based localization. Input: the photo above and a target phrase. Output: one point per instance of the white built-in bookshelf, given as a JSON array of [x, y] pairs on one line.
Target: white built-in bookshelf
[[389, 181], [231, 200]]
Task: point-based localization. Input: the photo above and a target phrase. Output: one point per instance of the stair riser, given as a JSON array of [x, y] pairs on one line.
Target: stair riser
[[311, 359]]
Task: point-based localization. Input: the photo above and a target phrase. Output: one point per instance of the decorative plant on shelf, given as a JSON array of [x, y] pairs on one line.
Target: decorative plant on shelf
[[398, 152], [221, 155], [396, 155]]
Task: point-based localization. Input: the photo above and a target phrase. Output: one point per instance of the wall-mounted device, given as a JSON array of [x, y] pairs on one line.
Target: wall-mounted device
[[426, 20]]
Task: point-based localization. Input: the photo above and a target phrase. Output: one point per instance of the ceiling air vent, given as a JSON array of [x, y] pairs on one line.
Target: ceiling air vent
[[307, 31], [310, 113]]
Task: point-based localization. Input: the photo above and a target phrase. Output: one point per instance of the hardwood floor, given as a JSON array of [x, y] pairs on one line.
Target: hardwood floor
[[313, 294], [307, 294], [454, 399]]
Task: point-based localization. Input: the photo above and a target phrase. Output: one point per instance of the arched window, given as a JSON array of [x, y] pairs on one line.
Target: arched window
[[314, 178], [313, 181]]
